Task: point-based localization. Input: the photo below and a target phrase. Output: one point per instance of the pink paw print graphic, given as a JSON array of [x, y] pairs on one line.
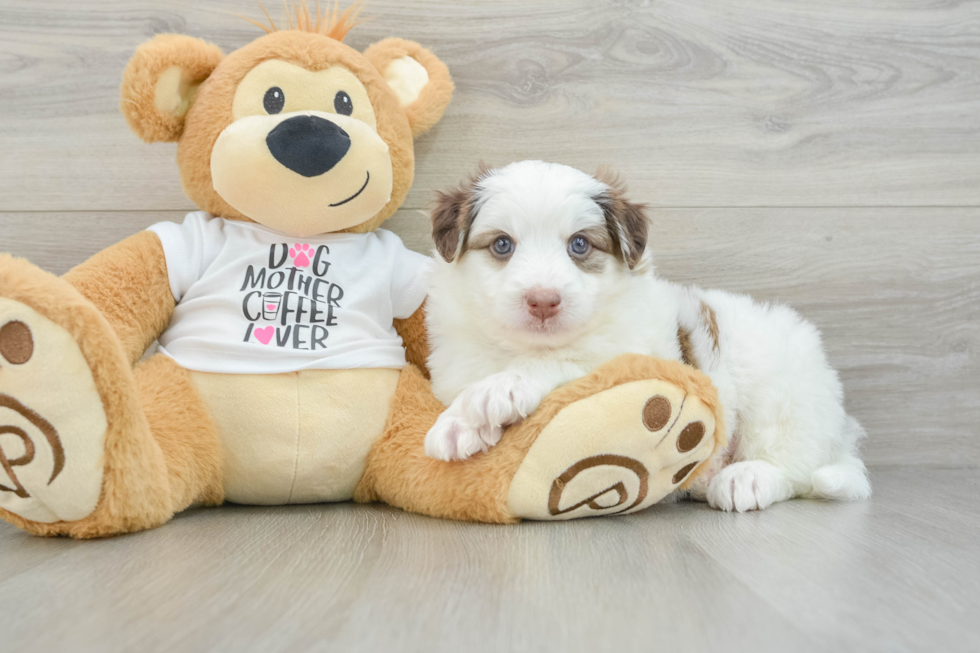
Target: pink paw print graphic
[[301, 254]]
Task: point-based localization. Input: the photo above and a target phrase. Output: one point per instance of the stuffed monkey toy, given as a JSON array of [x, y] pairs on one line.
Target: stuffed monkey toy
[[291, 328]]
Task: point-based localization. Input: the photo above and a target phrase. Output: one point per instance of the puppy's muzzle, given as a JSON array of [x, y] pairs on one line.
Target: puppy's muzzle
[[308, 145]]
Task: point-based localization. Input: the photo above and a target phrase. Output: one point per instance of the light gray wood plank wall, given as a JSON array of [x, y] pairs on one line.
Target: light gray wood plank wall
[[825, 154], [763, 103]]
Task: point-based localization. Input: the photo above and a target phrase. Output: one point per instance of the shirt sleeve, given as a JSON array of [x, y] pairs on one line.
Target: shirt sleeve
[[189, 248], [410, 278]]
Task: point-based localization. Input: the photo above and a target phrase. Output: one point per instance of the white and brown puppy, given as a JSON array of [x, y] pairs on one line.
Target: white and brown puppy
[[545, 273]]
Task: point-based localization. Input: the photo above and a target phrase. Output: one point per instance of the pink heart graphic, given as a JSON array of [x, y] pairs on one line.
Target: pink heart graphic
[[271, 307], [264, 335]]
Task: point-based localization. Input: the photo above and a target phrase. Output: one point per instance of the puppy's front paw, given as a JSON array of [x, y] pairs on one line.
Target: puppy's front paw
[[453, 438], [499, 400], [477, 417], [748, 485]]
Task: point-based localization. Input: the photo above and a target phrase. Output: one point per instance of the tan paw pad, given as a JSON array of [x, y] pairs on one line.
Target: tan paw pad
[[52, 423], [615, 452]]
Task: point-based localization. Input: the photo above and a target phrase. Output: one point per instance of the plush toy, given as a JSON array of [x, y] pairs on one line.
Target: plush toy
[[285, 317]]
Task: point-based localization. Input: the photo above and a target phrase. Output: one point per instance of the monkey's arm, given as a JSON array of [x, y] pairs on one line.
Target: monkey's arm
[[414, 337], [128, 283]]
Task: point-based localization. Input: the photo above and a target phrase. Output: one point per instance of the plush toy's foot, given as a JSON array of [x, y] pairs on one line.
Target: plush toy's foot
[[63, 382], [614, 441], [622, 448], [52, 424]]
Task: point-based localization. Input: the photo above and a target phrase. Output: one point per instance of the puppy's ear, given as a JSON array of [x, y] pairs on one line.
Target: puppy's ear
[[160, 83], [454, 214], [627, 222], [449, 220]]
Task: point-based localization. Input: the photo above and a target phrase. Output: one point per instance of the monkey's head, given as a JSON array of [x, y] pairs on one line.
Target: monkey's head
[[295, 131]]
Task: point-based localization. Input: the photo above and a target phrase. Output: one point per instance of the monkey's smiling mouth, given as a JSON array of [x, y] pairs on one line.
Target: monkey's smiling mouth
[[355, 194]]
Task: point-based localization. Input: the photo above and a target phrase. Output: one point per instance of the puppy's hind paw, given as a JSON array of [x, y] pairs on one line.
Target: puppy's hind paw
[[748, 485]]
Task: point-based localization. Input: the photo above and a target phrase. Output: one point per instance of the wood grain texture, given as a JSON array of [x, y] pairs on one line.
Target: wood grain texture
[[896, 292], [895, 573], [799, 112], [761, 103]]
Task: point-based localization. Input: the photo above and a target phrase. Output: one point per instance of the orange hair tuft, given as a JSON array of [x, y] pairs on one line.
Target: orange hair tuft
[[334, 24]]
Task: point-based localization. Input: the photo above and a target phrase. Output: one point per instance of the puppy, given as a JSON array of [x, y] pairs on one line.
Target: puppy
[[544, 272]]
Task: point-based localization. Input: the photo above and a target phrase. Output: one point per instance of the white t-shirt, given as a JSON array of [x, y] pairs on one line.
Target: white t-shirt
[[251, 300]]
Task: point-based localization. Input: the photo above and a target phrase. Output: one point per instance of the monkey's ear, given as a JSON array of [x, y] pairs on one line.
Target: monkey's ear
[[160, 83], [421, 81]]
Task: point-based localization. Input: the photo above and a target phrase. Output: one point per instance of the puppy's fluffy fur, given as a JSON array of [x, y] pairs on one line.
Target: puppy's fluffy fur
[[545, 273]]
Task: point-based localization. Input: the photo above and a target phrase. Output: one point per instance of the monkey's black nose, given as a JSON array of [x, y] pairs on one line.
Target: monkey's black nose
[[308, 145]]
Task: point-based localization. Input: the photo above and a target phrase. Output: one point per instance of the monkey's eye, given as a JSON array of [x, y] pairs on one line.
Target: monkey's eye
[[274, 100], [503, 246], [342, 104], [578, 246]]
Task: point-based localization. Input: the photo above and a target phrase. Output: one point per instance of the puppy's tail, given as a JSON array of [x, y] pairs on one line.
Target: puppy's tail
[[847, 479]]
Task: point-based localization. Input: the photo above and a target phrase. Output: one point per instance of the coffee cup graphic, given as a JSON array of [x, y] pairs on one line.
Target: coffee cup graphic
[[270, 305]]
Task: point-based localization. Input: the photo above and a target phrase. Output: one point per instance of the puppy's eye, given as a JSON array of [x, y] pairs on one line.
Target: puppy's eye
[[342, 104], [578, 246], [274, 100], [503, 246]]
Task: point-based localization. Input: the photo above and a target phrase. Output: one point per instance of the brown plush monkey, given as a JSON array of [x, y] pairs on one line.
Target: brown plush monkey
[[285, 317]]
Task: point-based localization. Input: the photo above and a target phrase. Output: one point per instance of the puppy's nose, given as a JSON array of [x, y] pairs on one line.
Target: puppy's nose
[[308, 145], [543, 303]]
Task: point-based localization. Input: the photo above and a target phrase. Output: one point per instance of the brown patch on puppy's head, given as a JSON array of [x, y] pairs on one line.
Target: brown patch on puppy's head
[[626, 221], [453, 216], [600, 249]]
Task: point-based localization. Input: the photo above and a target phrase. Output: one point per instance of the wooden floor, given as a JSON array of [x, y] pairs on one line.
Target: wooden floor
[[897, 573], [820, 152]]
